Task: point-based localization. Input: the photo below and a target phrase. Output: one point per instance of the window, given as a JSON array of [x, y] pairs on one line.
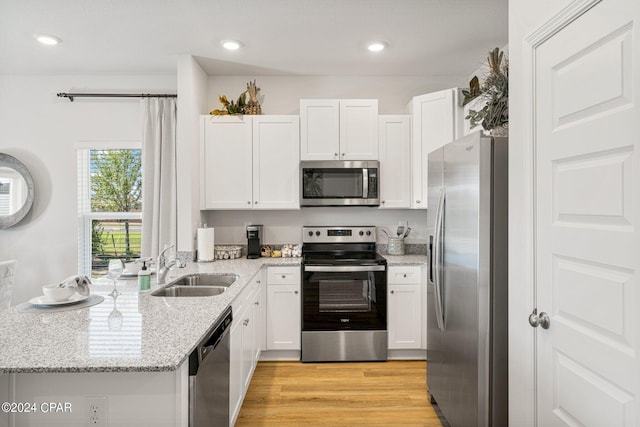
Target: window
[[109, 205]]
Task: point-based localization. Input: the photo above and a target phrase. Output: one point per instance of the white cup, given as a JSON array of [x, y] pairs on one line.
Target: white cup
[[55, 293]]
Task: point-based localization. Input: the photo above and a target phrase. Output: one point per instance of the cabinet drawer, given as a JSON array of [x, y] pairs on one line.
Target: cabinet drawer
[[283, 275], [403, 275]]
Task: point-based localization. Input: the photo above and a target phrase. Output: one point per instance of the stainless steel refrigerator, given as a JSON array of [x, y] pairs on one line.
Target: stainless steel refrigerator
[[467, 287]]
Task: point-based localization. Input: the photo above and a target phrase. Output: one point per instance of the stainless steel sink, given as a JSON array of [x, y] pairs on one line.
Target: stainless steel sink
[[197, 285], [189, 291], [205, 280]]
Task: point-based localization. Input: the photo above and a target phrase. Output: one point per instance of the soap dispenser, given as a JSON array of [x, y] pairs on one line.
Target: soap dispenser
[[144, 276]]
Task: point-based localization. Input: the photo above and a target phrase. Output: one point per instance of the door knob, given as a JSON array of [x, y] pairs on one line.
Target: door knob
[[542, 319]]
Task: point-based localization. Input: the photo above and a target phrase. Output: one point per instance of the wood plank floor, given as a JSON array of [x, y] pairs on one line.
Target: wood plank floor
[[338, 394]]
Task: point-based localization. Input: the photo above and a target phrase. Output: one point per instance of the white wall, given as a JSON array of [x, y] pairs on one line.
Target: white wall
[[282, 94], [192, 102], [524, 17], [42, 131]]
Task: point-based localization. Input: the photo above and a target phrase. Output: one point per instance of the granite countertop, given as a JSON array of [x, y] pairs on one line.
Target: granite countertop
[[406, 259], [156, 334]]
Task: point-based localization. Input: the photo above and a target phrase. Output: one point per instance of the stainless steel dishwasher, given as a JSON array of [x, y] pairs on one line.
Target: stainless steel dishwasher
[[209, 376]]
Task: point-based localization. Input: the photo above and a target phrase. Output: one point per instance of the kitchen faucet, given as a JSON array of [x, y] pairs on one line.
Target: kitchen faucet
[[163, 266]]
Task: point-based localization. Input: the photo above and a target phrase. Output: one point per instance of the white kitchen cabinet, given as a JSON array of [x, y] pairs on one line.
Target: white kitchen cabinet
[[283, 308], [245, 346], [250, 162], [339, 129], [395, 161], [436, 120], [226, 163], [276, 170], [236, 382], [404, 307]]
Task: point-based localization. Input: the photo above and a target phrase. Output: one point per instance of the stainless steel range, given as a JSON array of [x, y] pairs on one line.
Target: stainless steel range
[[344, 295]]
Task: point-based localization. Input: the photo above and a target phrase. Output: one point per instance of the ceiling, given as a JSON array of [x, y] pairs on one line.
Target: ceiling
[[281, 37]]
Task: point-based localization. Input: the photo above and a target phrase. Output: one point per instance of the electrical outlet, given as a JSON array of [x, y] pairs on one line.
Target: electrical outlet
[[96, 410]]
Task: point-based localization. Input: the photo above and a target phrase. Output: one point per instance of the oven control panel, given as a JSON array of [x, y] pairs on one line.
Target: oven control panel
[[339, 234]]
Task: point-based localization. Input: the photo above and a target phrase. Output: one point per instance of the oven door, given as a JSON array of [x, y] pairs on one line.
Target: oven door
[[344, 297]]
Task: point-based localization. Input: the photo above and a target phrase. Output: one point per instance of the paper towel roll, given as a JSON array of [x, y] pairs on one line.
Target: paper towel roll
[[205, 244]]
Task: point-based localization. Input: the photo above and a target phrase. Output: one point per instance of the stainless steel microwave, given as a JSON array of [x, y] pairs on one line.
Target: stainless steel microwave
[[339, 183]]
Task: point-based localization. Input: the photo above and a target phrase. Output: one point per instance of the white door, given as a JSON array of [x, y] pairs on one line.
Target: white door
[[276, 164], [319, 129], [434, 119], [404, 304], [283, 317], [226, 165], [587, 216], [359, 129], [395, 161]]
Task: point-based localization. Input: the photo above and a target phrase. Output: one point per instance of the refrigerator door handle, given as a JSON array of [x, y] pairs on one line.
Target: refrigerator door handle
[[437, 262]]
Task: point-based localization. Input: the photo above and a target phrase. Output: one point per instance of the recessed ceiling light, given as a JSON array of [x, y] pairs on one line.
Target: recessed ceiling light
[[231, 44], [48, 39], [377, 46]]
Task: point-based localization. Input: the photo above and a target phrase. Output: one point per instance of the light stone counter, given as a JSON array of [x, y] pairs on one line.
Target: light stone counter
[[155, 334], [406, 259]]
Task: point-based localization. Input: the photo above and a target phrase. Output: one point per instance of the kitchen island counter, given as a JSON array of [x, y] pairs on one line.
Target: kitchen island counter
[[155, 334]]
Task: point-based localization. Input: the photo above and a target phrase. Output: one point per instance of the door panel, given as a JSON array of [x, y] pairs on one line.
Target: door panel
[[587, 243]]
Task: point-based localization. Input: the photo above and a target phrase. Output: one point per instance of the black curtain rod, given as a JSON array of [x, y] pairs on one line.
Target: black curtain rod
[[116, 95]]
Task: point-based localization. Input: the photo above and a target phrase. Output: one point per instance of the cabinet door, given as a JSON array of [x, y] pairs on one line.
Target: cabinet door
[[226, 165], [283, 317], [435, 120], [248, 345], [320, 129], [405, 328], [359, 129], [276, 153], [395, 164], [236, 391]]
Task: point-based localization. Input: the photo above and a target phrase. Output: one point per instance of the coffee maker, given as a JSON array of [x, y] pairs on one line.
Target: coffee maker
[[254, 235]]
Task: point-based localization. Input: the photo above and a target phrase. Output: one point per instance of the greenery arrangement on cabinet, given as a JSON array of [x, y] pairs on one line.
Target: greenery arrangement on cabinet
[[241, 106], [494, 91]]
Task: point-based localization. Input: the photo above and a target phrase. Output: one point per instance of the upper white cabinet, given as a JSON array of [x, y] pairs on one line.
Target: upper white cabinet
[[250, 162], [395, 161], [276, 170], [436, 120], [339, 129]]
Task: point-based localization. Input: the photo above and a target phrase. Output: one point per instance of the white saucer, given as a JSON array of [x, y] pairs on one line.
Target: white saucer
[[73, 299]]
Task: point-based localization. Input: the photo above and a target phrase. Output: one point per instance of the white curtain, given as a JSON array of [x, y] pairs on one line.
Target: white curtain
[[159, 175]]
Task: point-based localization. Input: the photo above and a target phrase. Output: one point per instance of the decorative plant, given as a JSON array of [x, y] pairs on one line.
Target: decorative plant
[[253, 106], [231, 107], [241, 106], [494, 90]]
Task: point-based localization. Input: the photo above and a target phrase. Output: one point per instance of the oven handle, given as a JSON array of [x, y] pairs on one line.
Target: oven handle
[[346, 268]]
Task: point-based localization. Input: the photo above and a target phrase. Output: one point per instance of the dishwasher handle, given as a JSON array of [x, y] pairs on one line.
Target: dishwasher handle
[[213, 338]]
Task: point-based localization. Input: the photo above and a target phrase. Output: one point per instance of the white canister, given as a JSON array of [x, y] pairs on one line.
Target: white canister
[[395, 246]]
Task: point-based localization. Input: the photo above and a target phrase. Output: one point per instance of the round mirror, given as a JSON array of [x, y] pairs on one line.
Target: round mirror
[[16, 191]]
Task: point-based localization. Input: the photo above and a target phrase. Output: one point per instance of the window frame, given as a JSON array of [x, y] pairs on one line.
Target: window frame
[[85, 215]]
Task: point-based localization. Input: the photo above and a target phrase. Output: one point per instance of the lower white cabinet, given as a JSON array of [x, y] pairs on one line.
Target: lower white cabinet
[[246, 342], [283, 308], [404, 307]]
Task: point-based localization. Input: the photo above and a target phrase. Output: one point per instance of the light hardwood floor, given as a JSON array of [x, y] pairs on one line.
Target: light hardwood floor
[[338, 394]]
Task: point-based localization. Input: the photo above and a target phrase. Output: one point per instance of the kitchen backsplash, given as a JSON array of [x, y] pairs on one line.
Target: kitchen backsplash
[[286, 226]]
